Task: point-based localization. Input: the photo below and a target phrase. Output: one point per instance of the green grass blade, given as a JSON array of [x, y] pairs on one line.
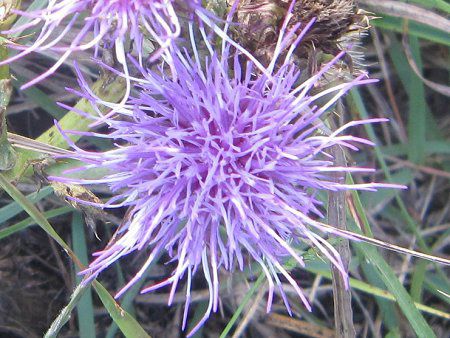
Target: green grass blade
[[35, 5], [415, 318], [41, 220], [200, 310], [388, 310], [435, 4], [417, 280], [321, 268], [85, 307], [437, 287], [34, 213], [417, 321], [417, 141], [417, 110], [29, 221], [244, 302], [42, 99], [126, 323], [410, 81], [415, 29], [439, 147], [356, 100], [64, 315], [128, 298], [15, 208]]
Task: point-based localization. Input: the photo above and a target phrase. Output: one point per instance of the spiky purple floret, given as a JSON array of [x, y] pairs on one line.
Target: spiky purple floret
[[109, 21], [218, 163]]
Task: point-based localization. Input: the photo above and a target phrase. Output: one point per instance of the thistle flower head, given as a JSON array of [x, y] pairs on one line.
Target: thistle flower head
[[220, 163], [111, 22]]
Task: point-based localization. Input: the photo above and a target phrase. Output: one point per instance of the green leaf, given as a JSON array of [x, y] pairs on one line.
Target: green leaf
[[370, 198], [415, 29], [323, 269], [7, 153], [14, 208], [85, 307], [35, 5], [389, 278], [244, 303], [126, 323], [64, 315], [128, 298], [435, 4], [30, 221], [417, 110], [42, 99], [412, 226], [431, 148], [34, 213]]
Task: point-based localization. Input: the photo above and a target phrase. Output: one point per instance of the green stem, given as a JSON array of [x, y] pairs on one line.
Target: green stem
[[7, 154]]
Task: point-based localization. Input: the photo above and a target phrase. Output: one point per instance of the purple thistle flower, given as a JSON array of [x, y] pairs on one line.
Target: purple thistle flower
[[219, 163], [107, 21]]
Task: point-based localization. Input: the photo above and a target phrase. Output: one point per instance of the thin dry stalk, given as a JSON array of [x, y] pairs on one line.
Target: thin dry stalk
[[343, 312]]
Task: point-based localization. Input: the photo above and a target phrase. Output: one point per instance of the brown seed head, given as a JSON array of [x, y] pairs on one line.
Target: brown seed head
[[260, 22]]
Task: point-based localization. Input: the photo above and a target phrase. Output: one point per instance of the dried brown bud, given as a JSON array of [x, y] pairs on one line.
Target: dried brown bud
[[258, 26], [334, 18], [260, 22]]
